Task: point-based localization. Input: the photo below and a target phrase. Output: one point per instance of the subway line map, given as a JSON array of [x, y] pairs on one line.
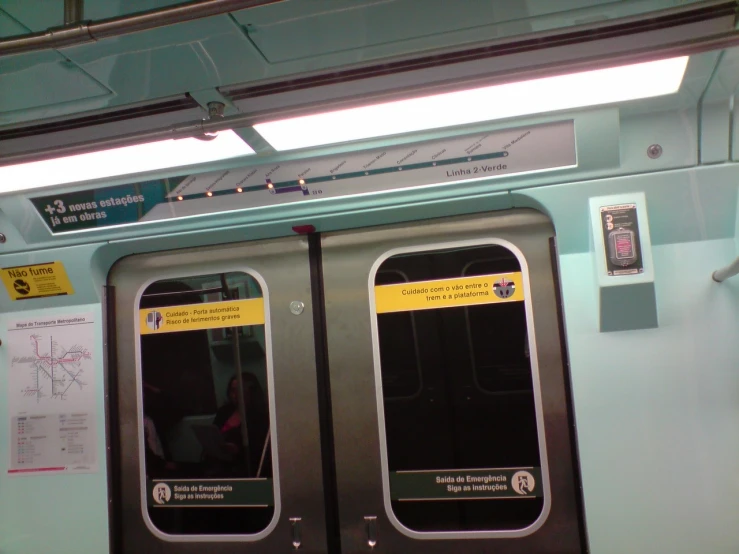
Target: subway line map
[[54, 371]]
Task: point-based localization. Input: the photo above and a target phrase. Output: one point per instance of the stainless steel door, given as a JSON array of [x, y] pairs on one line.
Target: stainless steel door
[[276, 347], [450, 418]]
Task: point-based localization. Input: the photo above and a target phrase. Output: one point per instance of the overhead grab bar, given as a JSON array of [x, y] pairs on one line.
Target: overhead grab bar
[[724, 273], [76, 32]]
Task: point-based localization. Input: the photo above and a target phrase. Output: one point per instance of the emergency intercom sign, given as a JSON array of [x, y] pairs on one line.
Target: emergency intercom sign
[[36, 281], [621, 240]]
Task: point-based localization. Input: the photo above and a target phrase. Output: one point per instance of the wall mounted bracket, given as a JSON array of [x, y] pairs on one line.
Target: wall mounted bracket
[[624, 268]]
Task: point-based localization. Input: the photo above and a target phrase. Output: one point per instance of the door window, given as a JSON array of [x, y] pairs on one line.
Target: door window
[[206, 420], [465, 452], [401, 375]]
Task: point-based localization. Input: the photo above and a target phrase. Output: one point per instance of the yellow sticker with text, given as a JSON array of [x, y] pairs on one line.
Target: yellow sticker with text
[[449, 293], [36, 281], [193, 317]]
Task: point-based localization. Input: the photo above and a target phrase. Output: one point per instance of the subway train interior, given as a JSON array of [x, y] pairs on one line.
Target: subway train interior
[[354, 276]]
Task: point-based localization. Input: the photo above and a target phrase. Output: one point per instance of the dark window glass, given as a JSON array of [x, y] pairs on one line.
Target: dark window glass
[[206, 472], [498, 370], [463, 452], [401, 374]]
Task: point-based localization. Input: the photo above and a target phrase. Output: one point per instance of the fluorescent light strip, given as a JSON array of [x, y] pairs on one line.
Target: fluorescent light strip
[[589, 88], [121, 161]]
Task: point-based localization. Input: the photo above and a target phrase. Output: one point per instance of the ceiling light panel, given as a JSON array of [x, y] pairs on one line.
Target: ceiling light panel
[[549, 94], [117, 162]]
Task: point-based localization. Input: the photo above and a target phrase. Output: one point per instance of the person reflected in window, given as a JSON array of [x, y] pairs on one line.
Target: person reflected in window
[[246, 461], [158, 466]]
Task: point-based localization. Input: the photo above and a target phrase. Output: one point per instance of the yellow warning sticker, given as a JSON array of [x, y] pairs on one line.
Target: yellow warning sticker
[[36, 281], [192, 317], [449, 293]]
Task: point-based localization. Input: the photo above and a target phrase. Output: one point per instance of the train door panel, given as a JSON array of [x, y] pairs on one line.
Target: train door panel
[[448, 388], [206, 340], [447, 394]]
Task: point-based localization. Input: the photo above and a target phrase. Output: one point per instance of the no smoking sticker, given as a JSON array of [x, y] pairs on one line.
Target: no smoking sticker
[[36, 281], [22, 287]]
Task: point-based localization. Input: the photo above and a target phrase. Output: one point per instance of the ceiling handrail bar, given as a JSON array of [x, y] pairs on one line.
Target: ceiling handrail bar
[[720, 275], [81, 32]]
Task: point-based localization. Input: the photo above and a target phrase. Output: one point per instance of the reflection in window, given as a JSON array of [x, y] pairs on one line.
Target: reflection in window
[[498, 370], [206, 425], [401, 375], [460, 458]]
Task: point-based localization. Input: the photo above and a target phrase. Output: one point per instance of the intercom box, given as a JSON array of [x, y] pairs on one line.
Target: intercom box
[[622, 253]]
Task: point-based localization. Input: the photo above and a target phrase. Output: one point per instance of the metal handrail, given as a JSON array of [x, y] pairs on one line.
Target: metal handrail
[[77, 32], [73, 11], [724, 273]]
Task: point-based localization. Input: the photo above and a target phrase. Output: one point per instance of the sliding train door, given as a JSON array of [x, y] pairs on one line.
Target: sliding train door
[[450, 411], [395, 389], [219, 447]]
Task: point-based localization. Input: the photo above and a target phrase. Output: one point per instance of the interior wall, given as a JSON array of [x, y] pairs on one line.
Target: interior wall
[[60, 514], [657, 409]]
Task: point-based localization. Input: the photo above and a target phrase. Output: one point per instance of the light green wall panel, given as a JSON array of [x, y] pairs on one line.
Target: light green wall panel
[[54, 514], [657, 409]]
